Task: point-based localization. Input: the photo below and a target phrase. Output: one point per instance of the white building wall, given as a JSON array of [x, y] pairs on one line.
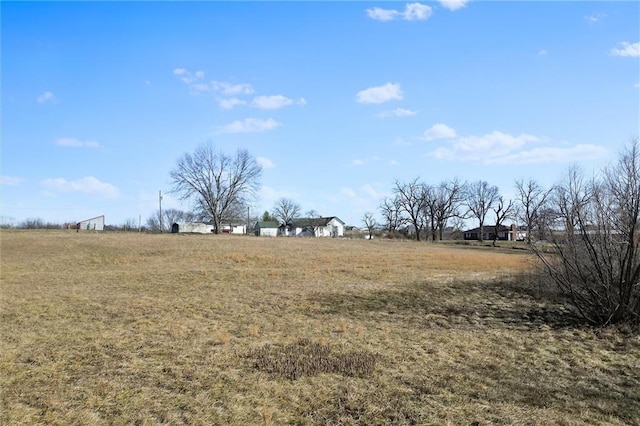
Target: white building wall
[[268, 232], [94, 224]]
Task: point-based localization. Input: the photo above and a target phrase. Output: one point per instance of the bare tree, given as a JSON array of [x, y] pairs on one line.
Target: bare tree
[[411, 200], [285, 210], [532, 203], [370, 223], [219, 185], [449, 196], [503, 212], [479, 198], [169, 217], [596, 241], [392, 214]]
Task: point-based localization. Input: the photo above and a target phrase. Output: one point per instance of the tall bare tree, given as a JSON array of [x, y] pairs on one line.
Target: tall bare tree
[[392, 213], [503, 212], [479, 198], [370, 223], [285, 210], [411, 200], [450, 196], [219, 185], [169, 217], [532, 203]]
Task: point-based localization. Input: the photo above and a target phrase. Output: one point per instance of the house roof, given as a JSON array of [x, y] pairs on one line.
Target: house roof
[[490, 228], [301, 222], [269, 224]]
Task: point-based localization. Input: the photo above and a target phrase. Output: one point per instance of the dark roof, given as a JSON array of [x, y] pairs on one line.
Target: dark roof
[[489, 228], [269, 224], [301, 222]]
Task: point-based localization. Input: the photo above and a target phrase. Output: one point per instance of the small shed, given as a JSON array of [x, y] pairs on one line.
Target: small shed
[[93, 224], [191, 227], [266, 229]]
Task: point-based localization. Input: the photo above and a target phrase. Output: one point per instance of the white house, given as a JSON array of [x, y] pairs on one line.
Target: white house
[[314, 226], [233, 229]]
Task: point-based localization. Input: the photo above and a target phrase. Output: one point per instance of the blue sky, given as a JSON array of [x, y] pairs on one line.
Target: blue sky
[[337, 100]]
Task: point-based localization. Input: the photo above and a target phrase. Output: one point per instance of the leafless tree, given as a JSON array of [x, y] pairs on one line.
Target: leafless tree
[[219, 185], [411, 200], [479, 198], [370, 223], [503, 212], [285, 210], [392, 214], [596, 241], [450, 196], [169, 217], [532, 206]]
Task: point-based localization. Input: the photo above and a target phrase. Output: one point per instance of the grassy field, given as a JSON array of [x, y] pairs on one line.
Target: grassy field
[[201, 329]]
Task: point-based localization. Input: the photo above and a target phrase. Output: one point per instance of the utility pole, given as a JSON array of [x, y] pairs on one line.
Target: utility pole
[[247, 231], [160, 204]]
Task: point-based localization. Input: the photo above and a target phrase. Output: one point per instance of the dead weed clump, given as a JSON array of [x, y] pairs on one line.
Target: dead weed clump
[[307, 358]]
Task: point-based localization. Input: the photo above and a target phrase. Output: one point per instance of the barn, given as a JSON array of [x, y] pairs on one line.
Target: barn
[[191, 227], [93, 224]]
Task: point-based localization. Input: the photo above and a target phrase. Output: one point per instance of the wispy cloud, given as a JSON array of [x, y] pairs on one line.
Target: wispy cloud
[[627, 49], [230, 103], [249, 125], [46, 97], [453, 4], [380, 94], [77, 143], [398, 112], [198, 85], [275, 102], [265, 163], [10, 180], [87, 185], [502, 148], [439, 131], [594, 17], [542, 52], [411, 12]]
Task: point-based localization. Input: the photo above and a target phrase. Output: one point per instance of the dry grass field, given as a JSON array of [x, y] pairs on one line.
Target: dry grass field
[[141, 329]]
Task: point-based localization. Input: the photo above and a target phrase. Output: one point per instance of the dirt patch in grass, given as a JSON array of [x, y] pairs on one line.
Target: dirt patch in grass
[[180, 329]]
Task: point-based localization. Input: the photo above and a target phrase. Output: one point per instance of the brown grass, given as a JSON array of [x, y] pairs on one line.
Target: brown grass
[[185, 329]]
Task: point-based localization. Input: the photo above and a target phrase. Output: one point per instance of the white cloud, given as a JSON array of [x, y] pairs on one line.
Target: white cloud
[[10, 180], [453, 4], [412, 12], [73, 142], [439, 131], [552, 155], [271, 102], [358, 162], [502, 148], [380, 94], [482, 148], [542, 52], [393, 163], [400, 141], [46, 97], [232, 89], [265, 163], [249, 125], [594, 17], [398, 112], [637, 85], [231, 103], [87, 185], [627, 49]]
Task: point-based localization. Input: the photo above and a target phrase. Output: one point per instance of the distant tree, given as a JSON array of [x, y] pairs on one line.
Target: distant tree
[[532, 201], [219, 185], [313, 217], [411, 200], [503, 212], [479, 198], [130, 224], [266, 217], [392, 214], [285, 210], [449, 196], [369, 222]]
